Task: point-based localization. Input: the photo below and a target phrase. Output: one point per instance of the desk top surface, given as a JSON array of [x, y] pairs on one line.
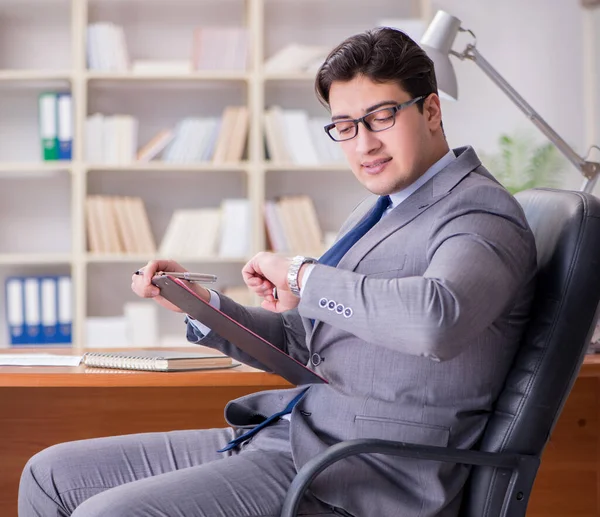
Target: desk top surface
[[82, 376], [63, 376]]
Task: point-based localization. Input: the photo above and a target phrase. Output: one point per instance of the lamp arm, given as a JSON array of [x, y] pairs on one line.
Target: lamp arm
[[589, 169]]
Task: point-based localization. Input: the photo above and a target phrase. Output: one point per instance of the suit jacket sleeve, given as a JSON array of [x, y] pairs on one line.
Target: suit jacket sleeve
[[284, 330], [477, 260]]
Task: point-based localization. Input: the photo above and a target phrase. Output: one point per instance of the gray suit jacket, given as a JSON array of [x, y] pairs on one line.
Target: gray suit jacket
[[426, 313]]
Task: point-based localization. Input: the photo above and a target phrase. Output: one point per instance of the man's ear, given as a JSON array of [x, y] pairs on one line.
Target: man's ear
[[433, 111]]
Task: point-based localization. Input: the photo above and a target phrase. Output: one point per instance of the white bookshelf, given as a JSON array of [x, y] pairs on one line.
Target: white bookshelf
[[42, 204]]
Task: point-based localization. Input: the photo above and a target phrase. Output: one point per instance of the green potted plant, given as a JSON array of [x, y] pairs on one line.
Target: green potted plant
[[521, 163]]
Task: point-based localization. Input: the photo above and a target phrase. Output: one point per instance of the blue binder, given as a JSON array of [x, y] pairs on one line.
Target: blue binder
[[64, 326], [49, 309], [65, 126], [32, 315], [15, 310]]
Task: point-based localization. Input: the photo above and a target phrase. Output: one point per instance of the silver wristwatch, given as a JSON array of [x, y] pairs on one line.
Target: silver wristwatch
[[294, 269]]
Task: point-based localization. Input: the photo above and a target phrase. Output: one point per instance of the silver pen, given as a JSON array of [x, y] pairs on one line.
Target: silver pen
[[186, 275]]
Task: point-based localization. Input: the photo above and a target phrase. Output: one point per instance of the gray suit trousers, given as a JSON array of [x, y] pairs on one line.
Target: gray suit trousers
[[173, 474]]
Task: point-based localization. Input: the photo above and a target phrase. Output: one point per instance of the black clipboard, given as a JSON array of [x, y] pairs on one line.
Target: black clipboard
[[179, 294]]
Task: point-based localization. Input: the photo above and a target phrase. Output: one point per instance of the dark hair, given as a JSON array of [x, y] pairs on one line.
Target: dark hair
[[382, 55]]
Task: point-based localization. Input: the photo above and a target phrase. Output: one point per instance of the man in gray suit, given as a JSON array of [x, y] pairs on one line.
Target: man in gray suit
[[413, 316]]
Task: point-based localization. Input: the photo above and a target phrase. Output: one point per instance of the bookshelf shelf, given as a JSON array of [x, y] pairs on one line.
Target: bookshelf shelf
[[16, 259], [93, 258], [296, 76], [334, 167], [207, 75], [35, 76], [34, 168], [46, 205], [170, 167]]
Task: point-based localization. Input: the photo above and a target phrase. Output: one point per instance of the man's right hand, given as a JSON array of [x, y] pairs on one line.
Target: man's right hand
[[143, 287]]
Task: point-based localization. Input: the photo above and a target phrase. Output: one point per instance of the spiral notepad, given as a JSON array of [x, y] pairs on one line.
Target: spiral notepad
[[156, 360]]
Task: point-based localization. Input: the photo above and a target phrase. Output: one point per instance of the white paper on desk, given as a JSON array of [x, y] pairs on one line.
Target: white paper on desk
[[39, 360]]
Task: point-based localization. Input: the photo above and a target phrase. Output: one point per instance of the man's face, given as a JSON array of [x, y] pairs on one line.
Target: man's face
[[390, 160]]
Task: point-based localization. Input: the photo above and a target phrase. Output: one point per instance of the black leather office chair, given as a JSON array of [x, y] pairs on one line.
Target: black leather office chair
[[566, 226]]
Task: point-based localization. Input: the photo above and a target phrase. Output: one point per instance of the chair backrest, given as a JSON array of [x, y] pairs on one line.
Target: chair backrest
[[566, 226]]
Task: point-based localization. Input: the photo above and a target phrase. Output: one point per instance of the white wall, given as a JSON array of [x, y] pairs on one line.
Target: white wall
[[537, 46]]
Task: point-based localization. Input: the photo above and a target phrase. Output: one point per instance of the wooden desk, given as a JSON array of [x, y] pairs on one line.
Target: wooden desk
[[43, 406]]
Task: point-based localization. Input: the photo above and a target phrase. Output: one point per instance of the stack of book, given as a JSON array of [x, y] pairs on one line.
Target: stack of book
[[118, 225], [209, 232], [55, 112], [39, 310], [220, 48], [111, 139], [106, 47], [293, 226], [296, 58], [114, 139], [294, 138]]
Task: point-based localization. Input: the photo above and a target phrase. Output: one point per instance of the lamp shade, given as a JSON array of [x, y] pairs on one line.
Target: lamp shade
[[437, 42]]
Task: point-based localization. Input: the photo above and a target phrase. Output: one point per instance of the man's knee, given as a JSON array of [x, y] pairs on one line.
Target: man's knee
[[38, 487], [38, 470]]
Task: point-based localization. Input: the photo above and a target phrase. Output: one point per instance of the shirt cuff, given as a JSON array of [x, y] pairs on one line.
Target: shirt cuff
[[307, 272], [215, 301]]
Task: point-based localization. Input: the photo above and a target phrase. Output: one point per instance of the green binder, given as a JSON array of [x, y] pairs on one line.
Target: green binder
[[48, 123]]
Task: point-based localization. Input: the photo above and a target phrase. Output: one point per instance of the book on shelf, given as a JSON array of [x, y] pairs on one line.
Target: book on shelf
[[136, 326], [192, 233], [155, 145], [193, 141], [118, 224], [220, 48], [296, 57], [157, 360], [293, 226], [232, 136], [39, 310], [111, 139], [292, 137], [106, 47], [236, 228], [161, 66], [224, 231], [55, 114]]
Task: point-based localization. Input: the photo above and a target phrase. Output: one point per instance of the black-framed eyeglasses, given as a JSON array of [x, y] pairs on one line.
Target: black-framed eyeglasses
[[375, 121]]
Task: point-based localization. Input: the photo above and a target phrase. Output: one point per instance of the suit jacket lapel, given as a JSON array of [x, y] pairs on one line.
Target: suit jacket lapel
[[425, 197]]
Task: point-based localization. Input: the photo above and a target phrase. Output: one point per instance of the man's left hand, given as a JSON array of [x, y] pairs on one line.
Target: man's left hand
[[266, 271]]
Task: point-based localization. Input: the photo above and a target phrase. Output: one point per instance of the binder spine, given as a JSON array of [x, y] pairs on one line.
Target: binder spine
[[48, 112], [15, 310], [49, 309], [65, 126], [65, 311], [33, 323]]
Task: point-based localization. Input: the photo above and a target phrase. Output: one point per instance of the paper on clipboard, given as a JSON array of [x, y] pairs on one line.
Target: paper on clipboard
[[268, 354]]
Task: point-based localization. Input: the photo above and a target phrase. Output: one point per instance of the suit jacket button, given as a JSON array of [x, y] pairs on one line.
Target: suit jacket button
[[316, 359], [339, 308], [331, 305], [323, 302], [348, 312]]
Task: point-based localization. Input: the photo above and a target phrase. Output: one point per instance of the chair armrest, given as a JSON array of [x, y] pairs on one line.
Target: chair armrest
[[524, 466]]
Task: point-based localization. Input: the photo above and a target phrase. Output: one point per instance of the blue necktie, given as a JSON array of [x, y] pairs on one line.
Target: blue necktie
[[334, 254], [249, 434]]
